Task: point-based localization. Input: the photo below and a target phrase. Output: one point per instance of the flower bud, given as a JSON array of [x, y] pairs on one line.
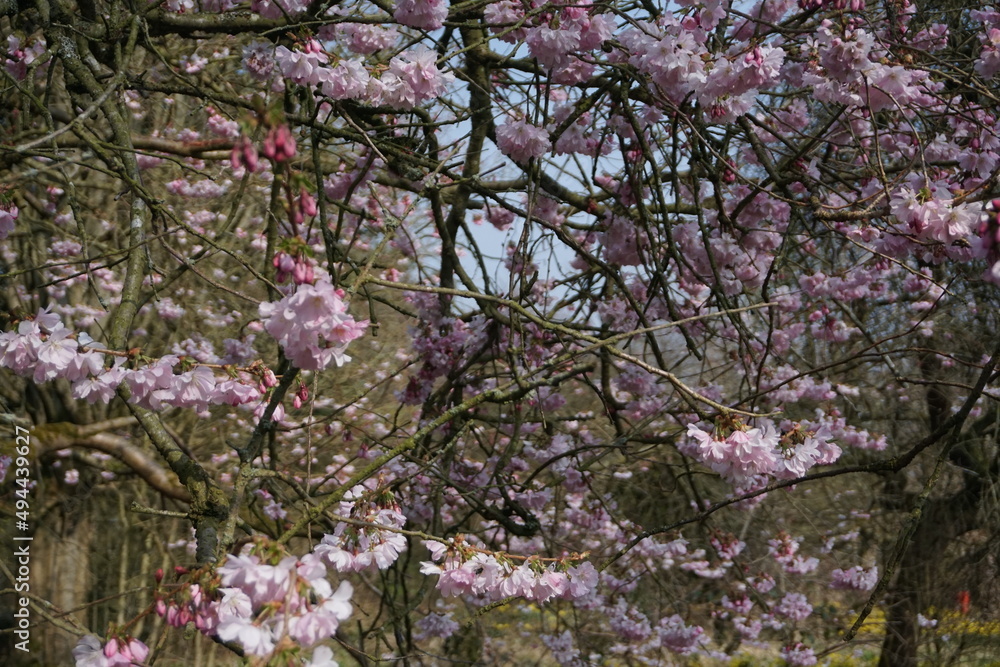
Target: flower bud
[[307, 202], [286, 142], [138, 650], [268, 148], [236, 157], [250, 158]]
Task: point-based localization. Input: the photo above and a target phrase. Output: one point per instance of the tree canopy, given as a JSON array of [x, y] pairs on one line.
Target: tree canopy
[[502, 332]]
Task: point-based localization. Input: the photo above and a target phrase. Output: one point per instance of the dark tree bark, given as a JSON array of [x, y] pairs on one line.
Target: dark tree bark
[[941, 521]]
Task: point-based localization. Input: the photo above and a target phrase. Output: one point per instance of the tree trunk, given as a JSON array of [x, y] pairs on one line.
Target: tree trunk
[[63, 576]]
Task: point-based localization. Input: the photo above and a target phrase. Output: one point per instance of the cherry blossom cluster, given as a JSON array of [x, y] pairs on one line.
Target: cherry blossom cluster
[[678, 64], [441, 343], [785, 613], [43, 349], [312, 325], [361, 38], [411, 78], [554, 36], [933, 215], [8, 216], [562, 648], [856, 578], [462, 570], [374, 541], [740, 453], [643, 637], [988, 63], [20, 55], [798, 654], [734, 264], [120, 650], [264, 600], [424, 14], [784, 548], [521, 141]]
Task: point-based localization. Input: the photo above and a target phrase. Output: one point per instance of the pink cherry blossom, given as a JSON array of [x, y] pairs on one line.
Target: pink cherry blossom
[[855, 578], [312, 325], [424, 14], [8, 216], [521, 141]]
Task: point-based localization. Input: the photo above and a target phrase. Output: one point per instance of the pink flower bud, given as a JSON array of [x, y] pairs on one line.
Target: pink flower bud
[[250, 156], [139, 650], [299, 273], [268, 148], [284, 144], [307, 202], [111, 648], [279, 136], [236, 157]]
